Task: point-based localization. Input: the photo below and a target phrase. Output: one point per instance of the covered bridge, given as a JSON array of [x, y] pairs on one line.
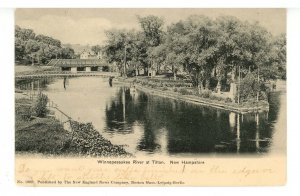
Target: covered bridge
[[79, 65]]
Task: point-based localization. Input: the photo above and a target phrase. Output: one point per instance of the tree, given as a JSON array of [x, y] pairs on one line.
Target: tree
[[193, 43], [41, 48], [243, 48], [24, 34], [158, 55], [152, 28], [67, 53], [19, 49], [118, 48], [31, 47], [96, 49], [48, 40], [139, 56], [276, 65]]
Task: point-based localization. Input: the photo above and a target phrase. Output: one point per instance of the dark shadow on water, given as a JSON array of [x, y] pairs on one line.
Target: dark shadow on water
[[190, 128]]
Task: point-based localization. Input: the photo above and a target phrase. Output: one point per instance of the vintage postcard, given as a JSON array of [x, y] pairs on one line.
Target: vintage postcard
[[150, 97]]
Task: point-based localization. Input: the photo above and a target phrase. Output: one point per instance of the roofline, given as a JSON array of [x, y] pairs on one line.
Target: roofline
[[79, 62]]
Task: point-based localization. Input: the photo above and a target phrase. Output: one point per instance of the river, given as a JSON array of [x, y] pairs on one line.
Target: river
[[150, 125]]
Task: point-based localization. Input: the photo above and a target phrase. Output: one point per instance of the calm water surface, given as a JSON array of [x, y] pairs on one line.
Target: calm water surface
[[148, 124]]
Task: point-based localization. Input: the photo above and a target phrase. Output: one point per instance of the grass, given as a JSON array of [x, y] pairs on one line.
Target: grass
[[41, 135], [47, 136]]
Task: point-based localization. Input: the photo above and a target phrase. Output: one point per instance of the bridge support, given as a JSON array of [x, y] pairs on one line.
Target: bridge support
[[73, 69], [88, 69]]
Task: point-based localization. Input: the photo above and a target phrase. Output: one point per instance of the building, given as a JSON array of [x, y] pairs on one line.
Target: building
[[79, 65], [89, 55]]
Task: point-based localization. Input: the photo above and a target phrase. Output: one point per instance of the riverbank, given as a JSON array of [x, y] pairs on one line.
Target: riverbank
[[206, 98], [32, 69], [48, 137]]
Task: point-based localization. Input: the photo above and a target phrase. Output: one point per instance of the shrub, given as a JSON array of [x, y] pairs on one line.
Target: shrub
[[175, 89], [217, 98], [183, 91], [220, 99], [24, 112], [263, 96], [40, 106], [130, 72], [205, 94], [105, 68], [248, 87], [165, 88], [228, 100]]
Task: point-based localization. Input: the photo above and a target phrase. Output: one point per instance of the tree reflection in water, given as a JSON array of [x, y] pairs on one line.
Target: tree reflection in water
[[187, 128]]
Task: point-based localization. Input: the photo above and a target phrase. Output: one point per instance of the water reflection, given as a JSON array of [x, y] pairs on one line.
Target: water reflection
[[148, 124], [187, 128], [66, 82]]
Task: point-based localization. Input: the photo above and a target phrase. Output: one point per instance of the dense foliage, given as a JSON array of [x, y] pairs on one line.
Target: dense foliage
[[199, 46], [31, 48], [204, 49]]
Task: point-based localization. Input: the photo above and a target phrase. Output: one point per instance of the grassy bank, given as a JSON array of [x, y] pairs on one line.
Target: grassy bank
[[47, 136]]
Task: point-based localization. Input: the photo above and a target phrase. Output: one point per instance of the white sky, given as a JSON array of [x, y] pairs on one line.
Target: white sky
[[87, 26]]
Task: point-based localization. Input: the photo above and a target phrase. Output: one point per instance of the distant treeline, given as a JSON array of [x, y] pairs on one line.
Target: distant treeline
[[38, 49]]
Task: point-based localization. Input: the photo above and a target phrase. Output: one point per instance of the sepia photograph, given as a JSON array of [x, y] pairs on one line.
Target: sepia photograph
[[150, 97]]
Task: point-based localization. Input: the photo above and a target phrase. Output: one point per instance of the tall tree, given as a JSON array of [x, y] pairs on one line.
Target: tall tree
[[193, 43], [118, 48], [152, 28]]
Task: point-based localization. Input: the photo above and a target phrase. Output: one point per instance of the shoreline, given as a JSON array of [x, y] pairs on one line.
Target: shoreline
[[228, 106], [198, 100]]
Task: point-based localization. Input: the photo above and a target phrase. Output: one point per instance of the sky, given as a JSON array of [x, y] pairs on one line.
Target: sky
[[88, 26]]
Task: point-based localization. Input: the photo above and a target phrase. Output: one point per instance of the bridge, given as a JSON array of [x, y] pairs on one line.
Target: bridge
[[71, 68], [80, 65], [48, 74]]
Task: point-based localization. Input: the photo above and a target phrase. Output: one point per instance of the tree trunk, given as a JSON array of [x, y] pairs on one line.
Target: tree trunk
[[257, 95], [207, 84], [233, 85], [200, 86], [219, 87], [174, 74]]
